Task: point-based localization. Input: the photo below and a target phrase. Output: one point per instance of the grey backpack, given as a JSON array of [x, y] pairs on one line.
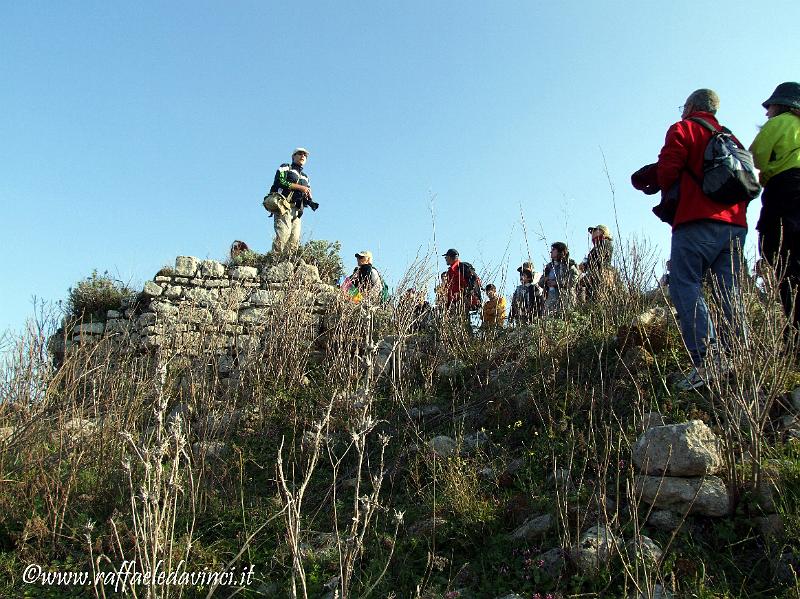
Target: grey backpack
[[729, 175]]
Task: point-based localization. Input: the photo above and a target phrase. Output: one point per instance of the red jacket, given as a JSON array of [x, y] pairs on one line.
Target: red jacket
[[683, 149], [456, 283]]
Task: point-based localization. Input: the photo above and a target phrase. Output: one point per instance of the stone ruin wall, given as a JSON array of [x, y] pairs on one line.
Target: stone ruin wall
[[202, 307]]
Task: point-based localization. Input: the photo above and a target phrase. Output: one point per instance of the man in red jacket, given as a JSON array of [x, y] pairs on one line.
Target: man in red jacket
[[706, 235]]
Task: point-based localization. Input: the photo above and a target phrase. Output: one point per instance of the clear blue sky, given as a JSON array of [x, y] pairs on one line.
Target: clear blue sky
[[134, 132]]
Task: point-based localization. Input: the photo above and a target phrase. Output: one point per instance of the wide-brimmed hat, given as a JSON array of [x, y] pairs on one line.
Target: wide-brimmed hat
[[525, 266], [786, 94], [603, 229], [365, 254], [452, 252]]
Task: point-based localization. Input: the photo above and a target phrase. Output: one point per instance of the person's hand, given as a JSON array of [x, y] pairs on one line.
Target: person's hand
[[303, 189]]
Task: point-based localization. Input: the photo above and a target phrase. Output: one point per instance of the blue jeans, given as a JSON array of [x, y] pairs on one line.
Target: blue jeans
[[698, 247]]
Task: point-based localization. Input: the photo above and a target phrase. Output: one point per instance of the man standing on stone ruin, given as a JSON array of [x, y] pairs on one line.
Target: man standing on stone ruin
[[293, 185]]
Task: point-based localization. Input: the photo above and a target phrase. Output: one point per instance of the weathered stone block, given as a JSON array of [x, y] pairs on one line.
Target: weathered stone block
[[164, 309], [217, 283], [152, 289], [147, 319], [90, 328], [201, 297], [243, 272], [173, 292], [307, 273], [686, 449], [116, 325], [265, 297], [705, 496], [212, 268], [254, 315], [533, 528], [443, 446], [279, 273], [186, 266]]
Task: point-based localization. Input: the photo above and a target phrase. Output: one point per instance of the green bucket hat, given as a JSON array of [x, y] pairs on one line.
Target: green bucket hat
[[786, 94]]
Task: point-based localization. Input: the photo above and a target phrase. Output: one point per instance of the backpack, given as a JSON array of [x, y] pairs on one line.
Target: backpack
[[474, 285], [384, 297], [729, 175]]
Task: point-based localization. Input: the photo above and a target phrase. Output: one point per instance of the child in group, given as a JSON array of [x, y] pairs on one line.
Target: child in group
[[494, 309]]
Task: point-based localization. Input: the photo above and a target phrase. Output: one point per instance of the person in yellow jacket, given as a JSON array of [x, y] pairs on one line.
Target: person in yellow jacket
[[776, 153], [494, 309]]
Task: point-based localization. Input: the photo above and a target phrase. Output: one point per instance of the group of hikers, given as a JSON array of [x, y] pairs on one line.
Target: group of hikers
[[706, 179]]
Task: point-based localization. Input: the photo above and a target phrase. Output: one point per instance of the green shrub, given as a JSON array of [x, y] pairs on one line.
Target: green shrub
[[95, 295], [319, 252]]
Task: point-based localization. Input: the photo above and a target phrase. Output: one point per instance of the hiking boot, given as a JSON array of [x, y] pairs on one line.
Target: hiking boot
[[694, 380]]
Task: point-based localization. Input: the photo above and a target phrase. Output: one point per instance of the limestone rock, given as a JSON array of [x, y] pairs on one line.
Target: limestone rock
[[707, 496], [551, 562], [649, 317], [307, 273], [686, 449], [651, 420], [90, 328], [595, 548], [533, 528], [645, 550], [254, 316], [186, 266], [165, 309], [212, 268], [279, 273], [264, 297], [443, 446], [116, 326], [173, 292], [664, 520], [201, 297], [243, 272], [152, 289]]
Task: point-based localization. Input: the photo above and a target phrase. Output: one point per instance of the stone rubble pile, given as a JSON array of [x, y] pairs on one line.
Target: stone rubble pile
[[677, 464]]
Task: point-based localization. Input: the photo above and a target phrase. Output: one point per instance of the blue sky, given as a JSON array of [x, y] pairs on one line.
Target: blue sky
[[136, 132]]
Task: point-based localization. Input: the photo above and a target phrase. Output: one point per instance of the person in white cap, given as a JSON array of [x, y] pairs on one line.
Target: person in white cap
[[293, 184], [368, 279]]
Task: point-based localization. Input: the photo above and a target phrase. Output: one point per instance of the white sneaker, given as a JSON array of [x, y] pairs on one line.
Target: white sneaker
[[694, 380]]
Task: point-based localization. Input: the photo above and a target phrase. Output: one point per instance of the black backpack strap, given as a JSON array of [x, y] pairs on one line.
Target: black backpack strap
[[705, 124]]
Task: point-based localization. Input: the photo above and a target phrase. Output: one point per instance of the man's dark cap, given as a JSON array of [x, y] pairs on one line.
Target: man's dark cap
[[451, 252], [525, 266]]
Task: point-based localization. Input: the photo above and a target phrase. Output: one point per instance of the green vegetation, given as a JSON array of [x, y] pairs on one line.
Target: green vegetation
[[326, 478], [92, 297]]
